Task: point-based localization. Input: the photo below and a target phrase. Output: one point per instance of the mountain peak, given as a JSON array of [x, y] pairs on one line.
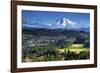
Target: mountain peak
[[64, 23]]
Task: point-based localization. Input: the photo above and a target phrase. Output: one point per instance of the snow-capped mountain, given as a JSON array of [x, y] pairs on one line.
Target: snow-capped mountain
[[65, 23], [62, 23]]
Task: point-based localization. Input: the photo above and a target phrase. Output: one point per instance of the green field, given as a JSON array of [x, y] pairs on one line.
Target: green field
[[74, 48]]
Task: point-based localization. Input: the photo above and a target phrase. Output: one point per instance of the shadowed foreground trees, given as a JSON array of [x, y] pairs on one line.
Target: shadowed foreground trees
[[54, 55]]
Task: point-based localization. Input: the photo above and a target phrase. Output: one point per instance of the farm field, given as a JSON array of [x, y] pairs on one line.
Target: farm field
[[77, 48]]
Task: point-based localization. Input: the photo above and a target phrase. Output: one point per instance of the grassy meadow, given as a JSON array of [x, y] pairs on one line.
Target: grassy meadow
[[74, 48]]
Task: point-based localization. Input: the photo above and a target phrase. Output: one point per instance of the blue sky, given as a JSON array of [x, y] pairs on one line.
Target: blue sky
[[46, 17]]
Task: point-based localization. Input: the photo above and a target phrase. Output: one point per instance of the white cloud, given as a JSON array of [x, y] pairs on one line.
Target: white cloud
[[49, 24]]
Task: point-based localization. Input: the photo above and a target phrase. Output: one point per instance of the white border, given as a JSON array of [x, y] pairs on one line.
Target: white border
[[53, 63]]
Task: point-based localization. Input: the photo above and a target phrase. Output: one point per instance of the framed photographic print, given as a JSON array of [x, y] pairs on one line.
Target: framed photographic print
[[52, 36]]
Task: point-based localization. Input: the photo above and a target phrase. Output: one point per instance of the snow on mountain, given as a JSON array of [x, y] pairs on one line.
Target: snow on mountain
[[62, 23], [65, 22]]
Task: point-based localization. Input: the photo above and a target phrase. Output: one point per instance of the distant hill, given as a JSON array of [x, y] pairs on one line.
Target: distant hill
[[83, 29], [53, 32]]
